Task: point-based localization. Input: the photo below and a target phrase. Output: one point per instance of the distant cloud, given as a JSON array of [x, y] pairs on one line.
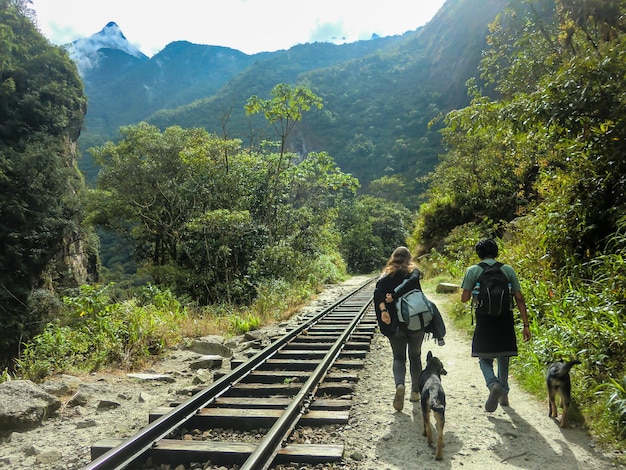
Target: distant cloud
[[247, 25], [62, 35], [328, 32]]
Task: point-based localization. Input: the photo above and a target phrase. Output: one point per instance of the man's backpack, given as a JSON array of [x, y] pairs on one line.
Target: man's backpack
[[493, 296], [414, 309]]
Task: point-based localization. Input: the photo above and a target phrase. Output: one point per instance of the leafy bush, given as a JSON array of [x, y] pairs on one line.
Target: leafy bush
[[327, 269], [5, 376], [104, 326], [279, 261], [95, 331], [242, 325], [616, 391], [271, 296]]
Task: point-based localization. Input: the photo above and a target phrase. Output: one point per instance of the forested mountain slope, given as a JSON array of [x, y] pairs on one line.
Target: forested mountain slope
[[379, 95]]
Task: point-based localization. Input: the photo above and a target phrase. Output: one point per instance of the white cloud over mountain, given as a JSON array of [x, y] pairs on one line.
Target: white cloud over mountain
[[84, 51]]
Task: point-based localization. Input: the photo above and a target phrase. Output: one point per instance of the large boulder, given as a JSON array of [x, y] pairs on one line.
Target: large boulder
[[24, 405], [447, 288], [210, 361], [210, 345]]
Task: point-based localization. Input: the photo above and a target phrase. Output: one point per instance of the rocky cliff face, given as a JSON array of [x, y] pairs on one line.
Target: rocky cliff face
[[76, 261]]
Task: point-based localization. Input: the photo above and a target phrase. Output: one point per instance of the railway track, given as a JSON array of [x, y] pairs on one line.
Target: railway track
[[303, 379]]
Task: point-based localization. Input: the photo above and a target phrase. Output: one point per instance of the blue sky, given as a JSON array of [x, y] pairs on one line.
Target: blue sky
[[247, 25]]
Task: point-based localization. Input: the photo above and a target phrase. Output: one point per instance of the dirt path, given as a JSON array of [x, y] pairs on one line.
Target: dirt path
[[520, 436]]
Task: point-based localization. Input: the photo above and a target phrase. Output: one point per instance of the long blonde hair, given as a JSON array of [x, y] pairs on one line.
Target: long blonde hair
[[400, 261]]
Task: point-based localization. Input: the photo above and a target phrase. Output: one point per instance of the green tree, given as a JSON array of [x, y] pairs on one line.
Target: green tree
[[484, 178], [571, 108], [311, 191], [42, 106], [371, 229], [197, 221], [554, 137], [152, 183], [283, 111], [217, 248], [394, 188]]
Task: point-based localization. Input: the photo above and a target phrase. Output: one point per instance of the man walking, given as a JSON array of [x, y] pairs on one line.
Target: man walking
[[494, 335]]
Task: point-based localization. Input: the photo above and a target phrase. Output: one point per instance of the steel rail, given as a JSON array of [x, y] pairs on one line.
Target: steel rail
[[266, 451], [134, 447]]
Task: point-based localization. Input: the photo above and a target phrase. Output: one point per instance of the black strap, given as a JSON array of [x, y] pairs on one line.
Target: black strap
[[484, 265]]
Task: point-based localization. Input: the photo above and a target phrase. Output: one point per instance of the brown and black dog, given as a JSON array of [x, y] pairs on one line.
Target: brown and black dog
[[558, 381], [433, 399]]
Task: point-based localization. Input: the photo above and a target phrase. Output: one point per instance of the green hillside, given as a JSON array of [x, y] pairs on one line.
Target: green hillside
[[377, 105], [379, 95]]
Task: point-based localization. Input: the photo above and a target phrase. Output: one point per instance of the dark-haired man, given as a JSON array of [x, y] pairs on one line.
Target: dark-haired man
[[494, 335]]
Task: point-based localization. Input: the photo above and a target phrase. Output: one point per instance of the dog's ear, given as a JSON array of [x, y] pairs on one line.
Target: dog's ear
[[429, 356]]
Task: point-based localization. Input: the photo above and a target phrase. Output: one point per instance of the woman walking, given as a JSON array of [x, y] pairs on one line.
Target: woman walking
[[399, 267]]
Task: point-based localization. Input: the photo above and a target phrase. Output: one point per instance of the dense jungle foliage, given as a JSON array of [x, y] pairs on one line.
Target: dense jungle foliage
[[223, 232], [42, 106], [543, 167]]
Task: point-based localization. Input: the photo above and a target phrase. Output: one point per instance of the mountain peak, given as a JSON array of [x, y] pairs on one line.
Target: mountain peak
[[111, 30], [84, 51]]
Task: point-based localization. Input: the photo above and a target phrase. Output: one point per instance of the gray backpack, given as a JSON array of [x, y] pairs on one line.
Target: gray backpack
[[414, 309]]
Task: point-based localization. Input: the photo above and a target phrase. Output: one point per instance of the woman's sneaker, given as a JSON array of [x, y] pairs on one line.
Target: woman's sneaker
[[398, 399]]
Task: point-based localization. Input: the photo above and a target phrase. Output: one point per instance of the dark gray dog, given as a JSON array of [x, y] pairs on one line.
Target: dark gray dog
[[558, 382], [433, 399]]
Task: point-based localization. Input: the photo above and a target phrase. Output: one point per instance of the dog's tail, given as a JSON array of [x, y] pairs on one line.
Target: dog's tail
[[567, 366], [437, 402]]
